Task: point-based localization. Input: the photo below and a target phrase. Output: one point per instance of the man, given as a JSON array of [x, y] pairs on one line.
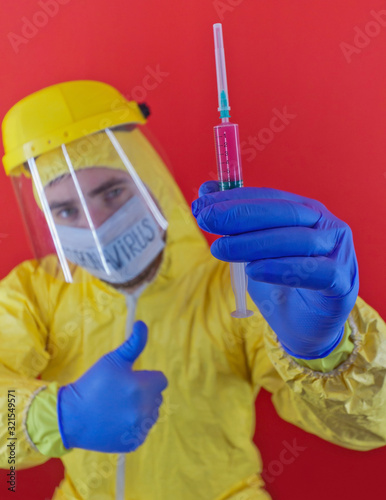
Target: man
[[116, 244]]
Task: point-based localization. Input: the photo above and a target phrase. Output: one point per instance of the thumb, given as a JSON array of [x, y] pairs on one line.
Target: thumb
[[208, 187], [135, 344]]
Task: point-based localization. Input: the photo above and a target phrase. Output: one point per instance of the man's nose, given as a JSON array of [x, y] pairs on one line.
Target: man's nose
[[98, 216]]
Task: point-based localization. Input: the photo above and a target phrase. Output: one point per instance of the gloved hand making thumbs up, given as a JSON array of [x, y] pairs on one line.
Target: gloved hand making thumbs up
[[103, 410]]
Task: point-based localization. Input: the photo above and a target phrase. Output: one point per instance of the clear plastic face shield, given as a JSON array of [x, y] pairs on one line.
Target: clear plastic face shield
[[92, 204]]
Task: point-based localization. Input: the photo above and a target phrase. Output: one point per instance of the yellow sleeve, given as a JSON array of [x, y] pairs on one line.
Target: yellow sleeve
[[345, 402], [42, 423], [23, 337]]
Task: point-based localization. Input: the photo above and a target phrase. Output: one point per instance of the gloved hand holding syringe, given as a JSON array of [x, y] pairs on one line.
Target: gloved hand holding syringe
[[227, 144], [278, 233]]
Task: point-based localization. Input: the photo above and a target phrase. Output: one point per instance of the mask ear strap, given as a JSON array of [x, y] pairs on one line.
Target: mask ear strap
[[85, 209], [137, 180], [50, 221]]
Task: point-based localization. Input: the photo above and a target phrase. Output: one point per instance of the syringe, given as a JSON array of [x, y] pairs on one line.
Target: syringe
[[227, 144]]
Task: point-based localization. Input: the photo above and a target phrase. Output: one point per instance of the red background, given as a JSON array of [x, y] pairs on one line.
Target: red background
[[279, 53]]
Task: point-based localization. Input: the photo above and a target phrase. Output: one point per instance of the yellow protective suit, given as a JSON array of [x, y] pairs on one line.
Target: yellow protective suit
[[201, 447]]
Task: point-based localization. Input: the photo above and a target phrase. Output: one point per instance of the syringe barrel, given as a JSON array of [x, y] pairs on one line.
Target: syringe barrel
[[228, 155]]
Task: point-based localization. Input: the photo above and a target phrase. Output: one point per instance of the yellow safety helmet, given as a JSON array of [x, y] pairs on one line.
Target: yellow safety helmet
[[60, 114]]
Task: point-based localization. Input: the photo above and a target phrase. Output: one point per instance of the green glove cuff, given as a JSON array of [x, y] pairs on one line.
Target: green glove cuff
[[335, 358], [42, 423]]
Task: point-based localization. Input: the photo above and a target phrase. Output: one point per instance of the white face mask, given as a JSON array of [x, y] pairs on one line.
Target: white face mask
[[130, 240]]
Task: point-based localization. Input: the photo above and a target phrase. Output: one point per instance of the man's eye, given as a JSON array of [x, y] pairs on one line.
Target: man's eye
[[67, 213], [113, 193]]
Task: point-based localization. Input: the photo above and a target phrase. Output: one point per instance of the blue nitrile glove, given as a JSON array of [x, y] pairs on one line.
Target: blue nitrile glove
[[111, 408], [302, 268]]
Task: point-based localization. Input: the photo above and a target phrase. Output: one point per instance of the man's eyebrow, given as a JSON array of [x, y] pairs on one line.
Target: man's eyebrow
[[107, 185], [61, 204], [102, 187]]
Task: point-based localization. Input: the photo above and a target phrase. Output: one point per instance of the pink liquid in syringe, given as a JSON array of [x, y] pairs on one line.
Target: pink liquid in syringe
[[227, 143]]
